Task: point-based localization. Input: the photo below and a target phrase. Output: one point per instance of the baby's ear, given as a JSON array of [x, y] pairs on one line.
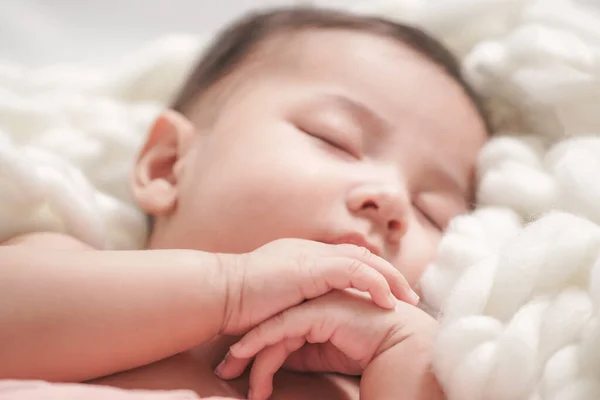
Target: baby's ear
[[154, 178]]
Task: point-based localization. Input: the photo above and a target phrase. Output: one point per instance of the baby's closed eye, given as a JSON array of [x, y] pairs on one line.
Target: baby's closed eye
[[429, 218], [437, 209], [335, 139]]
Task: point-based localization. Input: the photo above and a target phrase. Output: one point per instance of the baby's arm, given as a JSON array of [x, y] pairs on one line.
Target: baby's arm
[[27, 390], [402, 372], [70, 313]]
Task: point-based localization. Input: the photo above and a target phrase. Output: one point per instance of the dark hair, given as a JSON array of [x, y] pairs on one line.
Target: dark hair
[[232, 46]]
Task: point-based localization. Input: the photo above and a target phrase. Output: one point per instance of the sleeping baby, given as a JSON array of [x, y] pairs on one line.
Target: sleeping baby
[[297, 189]]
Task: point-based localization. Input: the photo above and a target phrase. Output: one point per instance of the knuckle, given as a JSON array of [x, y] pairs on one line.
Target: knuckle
[[357, 251], [321, 332], [349, 247], [302, 259], [281, 245], [365, 253], [399, 277], [306, 264], [257, 334], [277, 243], [278, 320], [293, 344], [356, 267], [311, 279]]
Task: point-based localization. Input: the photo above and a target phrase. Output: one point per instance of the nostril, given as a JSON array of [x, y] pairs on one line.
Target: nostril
[[370, 204], [393, 225]]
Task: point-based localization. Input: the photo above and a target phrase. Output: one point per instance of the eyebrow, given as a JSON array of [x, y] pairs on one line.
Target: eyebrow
[[365, 116]]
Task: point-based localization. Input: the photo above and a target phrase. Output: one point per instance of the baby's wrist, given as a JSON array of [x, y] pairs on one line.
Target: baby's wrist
[[419, 334], [408, 365], [414, 350], [208, 276], [229, 268]]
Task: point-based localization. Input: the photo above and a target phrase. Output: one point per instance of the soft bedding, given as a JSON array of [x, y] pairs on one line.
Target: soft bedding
[[517, 282], [38, 390]]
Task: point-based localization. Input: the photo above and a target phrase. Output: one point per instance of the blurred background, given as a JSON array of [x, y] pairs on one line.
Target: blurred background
[[94, 32]]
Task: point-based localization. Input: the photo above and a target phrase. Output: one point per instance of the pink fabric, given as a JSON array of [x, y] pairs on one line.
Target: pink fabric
[[39, 390]]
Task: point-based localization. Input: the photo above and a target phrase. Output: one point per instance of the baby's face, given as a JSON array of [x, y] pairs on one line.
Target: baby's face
[[343, 137]]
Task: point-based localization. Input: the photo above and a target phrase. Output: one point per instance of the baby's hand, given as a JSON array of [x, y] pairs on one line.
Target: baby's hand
[[287, 272], [344, 331]]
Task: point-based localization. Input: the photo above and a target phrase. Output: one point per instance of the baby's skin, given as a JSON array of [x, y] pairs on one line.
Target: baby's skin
[[287, 234]]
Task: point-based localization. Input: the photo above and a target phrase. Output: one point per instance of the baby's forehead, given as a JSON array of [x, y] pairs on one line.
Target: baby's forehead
[[311, 47], [377, 70], [332, 57], [389, 76], [309, 54]]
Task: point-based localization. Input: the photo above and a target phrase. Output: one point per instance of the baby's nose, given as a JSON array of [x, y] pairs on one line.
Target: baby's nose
[[385, 205]]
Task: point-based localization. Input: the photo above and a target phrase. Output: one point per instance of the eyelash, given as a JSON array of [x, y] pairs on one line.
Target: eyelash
[[429, 220], [333, 143]]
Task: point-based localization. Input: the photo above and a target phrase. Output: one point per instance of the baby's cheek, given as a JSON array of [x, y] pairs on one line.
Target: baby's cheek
[[418, 250], [249, 198], [252, 209]]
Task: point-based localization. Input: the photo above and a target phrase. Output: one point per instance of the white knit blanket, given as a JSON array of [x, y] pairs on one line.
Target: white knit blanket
[[517, 282]]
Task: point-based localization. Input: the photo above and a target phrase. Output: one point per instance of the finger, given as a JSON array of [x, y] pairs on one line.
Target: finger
[[322, 357], [267, 363], [342, 273], [232, 367], [397, 282], [294, 322]]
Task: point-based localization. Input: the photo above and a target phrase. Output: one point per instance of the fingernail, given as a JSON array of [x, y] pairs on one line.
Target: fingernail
[[235, 349], [392, 300], [220, 368], [414, 297]]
